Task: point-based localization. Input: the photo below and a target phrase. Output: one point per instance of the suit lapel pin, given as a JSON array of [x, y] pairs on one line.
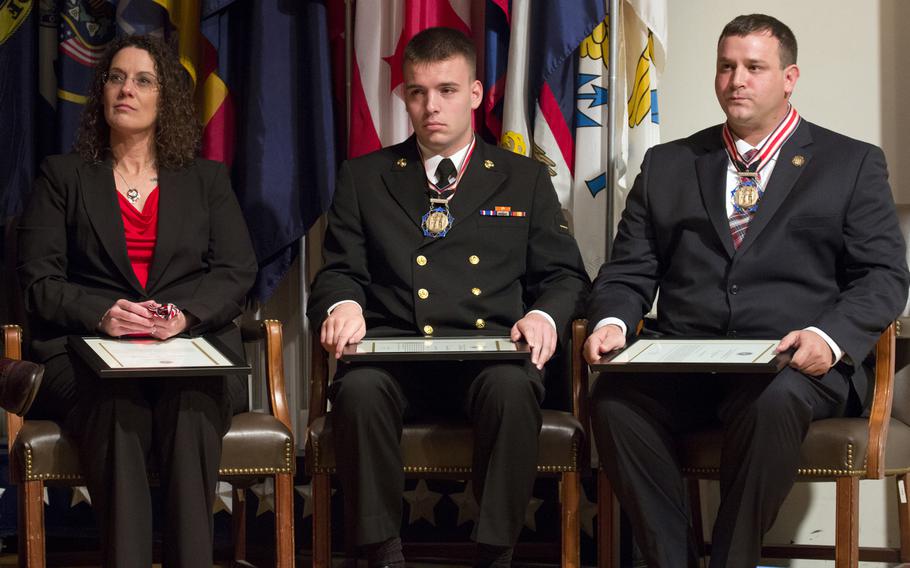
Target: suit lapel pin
[[401, 163], [798, 161], [488, 164]]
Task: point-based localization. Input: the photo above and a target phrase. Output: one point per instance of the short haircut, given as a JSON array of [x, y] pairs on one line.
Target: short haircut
[[438, 44], [742, 26]]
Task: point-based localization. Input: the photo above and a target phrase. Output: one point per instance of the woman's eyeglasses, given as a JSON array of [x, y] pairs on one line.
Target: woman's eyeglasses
[[142, 81]]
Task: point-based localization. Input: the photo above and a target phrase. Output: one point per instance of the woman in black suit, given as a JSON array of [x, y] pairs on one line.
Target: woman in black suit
[[130, 222]]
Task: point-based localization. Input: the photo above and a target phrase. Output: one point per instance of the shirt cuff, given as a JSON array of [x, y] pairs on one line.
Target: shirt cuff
[[612, 321], [838, 353], [545, 315], [328, 312]]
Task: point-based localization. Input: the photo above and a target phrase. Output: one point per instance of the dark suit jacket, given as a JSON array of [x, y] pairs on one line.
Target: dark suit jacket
[[73, 263], [824, 248], [374, 242]]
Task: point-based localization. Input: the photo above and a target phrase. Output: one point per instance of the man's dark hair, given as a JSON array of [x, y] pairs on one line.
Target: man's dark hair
[[742, 26], [438, 44]]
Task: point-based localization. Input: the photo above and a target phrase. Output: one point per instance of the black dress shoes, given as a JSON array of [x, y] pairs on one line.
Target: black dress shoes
[[19, 382]]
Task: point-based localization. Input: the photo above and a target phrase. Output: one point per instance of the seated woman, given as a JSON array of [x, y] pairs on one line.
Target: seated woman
[[113, 238]]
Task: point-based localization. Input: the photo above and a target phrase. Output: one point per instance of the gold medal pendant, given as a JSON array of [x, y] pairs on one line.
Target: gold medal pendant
[[746, 195], [436, 222]]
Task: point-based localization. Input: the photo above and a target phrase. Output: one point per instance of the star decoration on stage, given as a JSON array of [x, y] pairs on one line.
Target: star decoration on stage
[[224, 498], [586, 513], [80, 495], [422, 501], [531, 513], [265, 492], [306, 493], [468, 509]]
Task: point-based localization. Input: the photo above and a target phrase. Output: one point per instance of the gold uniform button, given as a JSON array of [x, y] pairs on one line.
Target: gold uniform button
[[480, 324], [423, 294], [474, 259], [428, 329], [401, 163], [421, 260], [475, 291]]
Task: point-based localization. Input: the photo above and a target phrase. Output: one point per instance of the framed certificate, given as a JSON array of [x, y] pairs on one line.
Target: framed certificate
[[674, 355], [435, 349], [174, 357]]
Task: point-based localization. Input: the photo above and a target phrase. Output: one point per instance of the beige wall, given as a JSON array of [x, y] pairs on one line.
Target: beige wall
[[849, 56]]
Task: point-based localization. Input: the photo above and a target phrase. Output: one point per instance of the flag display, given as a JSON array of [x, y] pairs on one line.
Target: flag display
[[589, 199], [381, 32], [643, 54]]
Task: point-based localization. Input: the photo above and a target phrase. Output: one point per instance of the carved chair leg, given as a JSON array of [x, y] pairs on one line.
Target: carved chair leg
[[569, 490], [31, 524], [284, 520], [846, 540], [238, 522], [322, 520], [903, 515], [606, 553]]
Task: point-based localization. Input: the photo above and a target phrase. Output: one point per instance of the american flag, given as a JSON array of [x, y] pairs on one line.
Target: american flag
[[75, 47]]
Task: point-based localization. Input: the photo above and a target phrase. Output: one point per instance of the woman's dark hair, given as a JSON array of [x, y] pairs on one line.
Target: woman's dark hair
[[177, 130]]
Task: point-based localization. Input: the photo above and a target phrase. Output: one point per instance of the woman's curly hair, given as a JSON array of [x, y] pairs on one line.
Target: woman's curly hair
[[177, 129]]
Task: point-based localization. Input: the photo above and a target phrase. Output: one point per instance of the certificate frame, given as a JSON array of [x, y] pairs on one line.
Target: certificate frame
[[637, 357], [237, 366], [361, 352]]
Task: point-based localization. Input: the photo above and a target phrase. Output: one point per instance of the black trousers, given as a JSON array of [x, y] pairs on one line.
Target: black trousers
[[123, 425], [370, 403], [636, 419]]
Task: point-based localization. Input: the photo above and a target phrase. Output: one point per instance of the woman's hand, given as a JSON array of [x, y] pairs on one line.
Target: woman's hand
[[128, 318], [165, 329]]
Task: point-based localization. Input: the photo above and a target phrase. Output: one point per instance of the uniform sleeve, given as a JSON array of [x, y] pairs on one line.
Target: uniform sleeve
[[556, 280], [344, 274]]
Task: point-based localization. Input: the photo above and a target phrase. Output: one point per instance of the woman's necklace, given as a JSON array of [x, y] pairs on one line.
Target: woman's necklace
[[132, 194]]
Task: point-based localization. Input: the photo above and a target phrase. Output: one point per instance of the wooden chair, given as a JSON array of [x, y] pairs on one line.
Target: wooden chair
[[443, 450], [258, 445], [843, 450]]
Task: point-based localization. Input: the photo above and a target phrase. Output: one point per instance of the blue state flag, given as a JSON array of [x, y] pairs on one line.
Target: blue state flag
[[18, 98], [284, 172]]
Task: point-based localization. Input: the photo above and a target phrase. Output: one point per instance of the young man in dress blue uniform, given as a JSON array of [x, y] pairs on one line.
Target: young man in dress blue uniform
[[443, 235]]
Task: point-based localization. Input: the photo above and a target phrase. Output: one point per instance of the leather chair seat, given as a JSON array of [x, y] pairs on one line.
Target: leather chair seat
[[447, 447], [835, 446], [256, 444]]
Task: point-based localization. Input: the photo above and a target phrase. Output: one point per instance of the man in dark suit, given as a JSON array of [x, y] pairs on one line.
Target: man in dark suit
[[415, 246], [799, 240]]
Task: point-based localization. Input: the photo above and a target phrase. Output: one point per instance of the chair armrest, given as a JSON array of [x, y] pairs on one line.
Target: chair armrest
[[580, 385], [12, 348], [880, 415], [274, 371], [319, 380]]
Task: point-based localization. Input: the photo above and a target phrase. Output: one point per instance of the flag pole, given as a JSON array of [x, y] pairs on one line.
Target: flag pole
[[613, 107]]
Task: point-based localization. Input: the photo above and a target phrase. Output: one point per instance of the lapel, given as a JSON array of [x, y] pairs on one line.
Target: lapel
[[406, 180], [783, 178], [172, 189], [477, 184], [407, 184], [103, 211], [711, 169]]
